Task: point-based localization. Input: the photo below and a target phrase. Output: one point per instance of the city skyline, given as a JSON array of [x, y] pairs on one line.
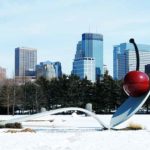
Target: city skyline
[[53, 28]]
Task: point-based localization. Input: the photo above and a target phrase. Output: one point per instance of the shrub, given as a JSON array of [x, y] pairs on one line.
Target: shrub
[[133, 126], [2, 126], [15, 125], [18, 125]]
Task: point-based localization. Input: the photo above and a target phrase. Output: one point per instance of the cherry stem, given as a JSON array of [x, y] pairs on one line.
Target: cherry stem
[[137, 54]]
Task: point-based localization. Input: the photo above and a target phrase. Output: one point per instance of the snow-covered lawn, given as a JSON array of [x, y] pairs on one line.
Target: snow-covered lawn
[[74, 132]]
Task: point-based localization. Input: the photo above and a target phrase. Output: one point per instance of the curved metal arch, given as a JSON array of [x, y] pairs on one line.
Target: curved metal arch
[[52, 112]]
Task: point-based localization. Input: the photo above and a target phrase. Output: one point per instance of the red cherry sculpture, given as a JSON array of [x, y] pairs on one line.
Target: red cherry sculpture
[[136, 83]]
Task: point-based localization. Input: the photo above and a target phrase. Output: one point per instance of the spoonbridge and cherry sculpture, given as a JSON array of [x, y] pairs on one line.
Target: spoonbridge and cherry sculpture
[[136, 86]]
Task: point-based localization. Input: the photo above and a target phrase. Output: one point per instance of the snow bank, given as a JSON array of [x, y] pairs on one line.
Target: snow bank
[[77, 139]]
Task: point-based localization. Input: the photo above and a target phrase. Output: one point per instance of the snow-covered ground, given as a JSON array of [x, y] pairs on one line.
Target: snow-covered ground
[[76, 132]]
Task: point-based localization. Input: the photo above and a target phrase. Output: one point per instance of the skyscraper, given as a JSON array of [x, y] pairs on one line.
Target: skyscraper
[[89, 57], [84, 68], [49, 70], [92, 45], [124, 58], [147, 69], [25, 61], [58, 70]]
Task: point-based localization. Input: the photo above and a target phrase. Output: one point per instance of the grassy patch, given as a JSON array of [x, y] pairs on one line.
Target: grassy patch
[[23, 130], [134, 126]]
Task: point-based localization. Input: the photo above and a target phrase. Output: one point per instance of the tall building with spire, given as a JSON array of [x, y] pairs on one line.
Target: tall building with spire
[[88, 60]]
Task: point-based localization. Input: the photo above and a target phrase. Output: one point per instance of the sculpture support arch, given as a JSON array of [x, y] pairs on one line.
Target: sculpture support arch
[[52, 112]]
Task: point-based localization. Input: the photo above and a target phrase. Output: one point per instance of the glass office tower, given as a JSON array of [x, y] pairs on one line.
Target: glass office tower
[[92, 45], [58, 69], [89, 51], [84, 68], [124, 59]]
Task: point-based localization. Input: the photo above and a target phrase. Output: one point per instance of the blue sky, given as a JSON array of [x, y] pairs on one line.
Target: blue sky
[[55, 26]]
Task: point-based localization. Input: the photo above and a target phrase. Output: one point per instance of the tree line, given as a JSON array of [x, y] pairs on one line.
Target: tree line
[[68, 91]]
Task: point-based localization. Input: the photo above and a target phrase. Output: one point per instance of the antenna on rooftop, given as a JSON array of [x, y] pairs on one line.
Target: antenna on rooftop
[[89, 28], [96, 30]]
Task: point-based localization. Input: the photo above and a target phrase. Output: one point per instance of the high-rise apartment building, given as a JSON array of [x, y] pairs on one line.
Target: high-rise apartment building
[[2, 73], [49, 70], [89, 53], [124, 59], [25, 62]]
